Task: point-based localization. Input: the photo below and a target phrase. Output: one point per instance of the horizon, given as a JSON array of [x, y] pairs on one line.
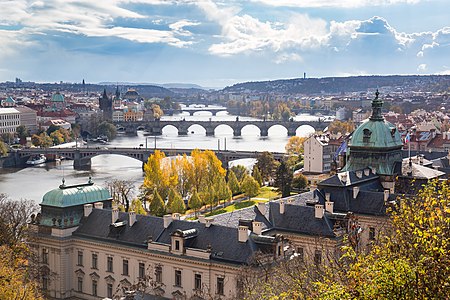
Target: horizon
[[217, 44]]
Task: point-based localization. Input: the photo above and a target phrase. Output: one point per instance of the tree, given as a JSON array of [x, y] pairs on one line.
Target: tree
[[157, 206], [299, 182], [294, 145], [121, 191], [250, 186], [157, 111], [240, 171], [57, 137], [233, 183], [22, 132], [257, 175], [155, 177], [176, 203], [195, 202], [283, 179], [223, 192], [107, 129], [266, 164], [341, 127], [137, 207], [51, 129], [3, 149]]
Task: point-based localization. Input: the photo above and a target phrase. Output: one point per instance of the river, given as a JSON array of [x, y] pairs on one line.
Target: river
[[33, 182]]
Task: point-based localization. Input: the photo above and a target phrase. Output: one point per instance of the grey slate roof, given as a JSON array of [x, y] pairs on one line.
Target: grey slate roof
[[222, 240]]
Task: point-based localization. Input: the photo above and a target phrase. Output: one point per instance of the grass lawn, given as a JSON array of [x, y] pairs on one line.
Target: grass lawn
[[268, 193]]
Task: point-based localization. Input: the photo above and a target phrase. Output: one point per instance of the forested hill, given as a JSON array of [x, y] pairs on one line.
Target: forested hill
[[434, 83]]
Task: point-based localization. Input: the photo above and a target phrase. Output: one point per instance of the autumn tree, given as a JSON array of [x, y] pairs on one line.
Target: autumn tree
[[137, 207], [155, 176], [223, 192], [157, 206], [121, 191], [294, 145], [240, 171], [195, 202], [341, 127], [176, 203], [233, 183], [267, 165], [250, 186], [257, 175], [157, 111], [3, 149]]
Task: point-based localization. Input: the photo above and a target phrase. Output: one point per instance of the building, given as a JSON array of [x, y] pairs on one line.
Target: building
[[318, 154], [106, 106], [8, 102], [57, 102], [89, 251], [28, 118], [9, 120]]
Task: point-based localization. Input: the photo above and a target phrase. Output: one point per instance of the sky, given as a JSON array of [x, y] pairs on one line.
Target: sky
[[219, 43]]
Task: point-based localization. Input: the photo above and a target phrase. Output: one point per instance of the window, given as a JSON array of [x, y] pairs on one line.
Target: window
[[141, 270], [177, 245], [178, 278], [318, 257], [158, 274], [45, 256], [94, 260], [198, 281], [371, 233], [220, 285], [109, 290], [125, 267], [279, 250], [94, 287], [109, 265], [80, 258], [45, 283], [80, 284], [300, 254]]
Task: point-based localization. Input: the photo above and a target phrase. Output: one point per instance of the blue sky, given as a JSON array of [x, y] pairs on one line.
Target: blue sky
[[219, 43]]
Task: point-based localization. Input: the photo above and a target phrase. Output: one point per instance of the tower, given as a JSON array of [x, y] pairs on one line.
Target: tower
[[105, 104]]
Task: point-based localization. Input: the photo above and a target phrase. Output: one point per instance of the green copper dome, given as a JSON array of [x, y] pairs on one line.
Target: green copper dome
[[66, 196], [376, 143], [57, 97]]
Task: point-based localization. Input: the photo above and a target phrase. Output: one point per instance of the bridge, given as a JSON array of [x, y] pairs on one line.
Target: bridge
[[82, 156], [193, 110], [156, 127]]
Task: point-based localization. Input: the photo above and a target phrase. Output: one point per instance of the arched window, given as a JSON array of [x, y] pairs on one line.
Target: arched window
[[366, 135]]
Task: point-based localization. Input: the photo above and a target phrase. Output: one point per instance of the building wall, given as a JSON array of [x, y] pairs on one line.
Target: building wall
[[9, 120], [63, 263], [317, 156]]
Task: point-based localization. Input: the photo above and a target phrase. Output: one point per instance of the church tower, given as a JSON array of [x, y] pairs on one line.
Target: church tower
[[105, 104]]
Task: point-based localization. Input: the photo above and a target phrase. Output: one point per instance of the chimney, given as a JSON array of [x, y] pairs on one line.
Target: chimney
[[98, 205], [421, 160], [87, 209], [327, 196], [208, 221], [167, 220], [386, 195], [318, 211], [359, 174], [329, 207], [114, 214], [243, 234], [290, 200], [355, 191], [176, 216], [262, 207], [344, 177], [374, 170], [201, 219], [257, 227], [131, 217], [281, 207], [366, 172]]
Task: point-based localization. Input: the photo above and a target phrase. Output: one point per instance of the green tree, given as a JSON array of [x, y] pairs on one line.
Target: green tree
[[267, 165], [223, 192], [107, 129], [136, 206], [240, 171], [52, 128], [257, 175], [250, 186], [57, 137], [176, 202], [299, 182], [22, 132], [157, 207], [233, 183], [283, 179], [195, 202]]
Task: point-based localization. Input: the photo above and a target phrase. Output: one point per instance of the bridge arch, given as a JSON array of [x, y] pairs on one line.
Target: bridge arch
[[249, 128], [277, 130], [224, 129], [304, 130], [170, 129], [198, 129]]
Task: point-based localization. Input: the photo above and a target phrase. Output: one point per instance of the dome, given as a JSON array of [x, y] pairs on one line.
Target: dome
[[376, 134], [66, 196], [57, 97]]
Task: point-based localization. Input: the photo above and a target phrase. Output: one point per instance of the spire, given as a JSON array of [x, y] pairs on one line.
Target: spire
[[105, 96], [377, 104], [117, 92]]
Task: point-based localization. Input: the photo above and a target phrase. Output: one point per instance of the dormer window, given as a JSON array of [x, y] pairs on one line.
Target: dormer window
[[366, 135], [177, 245], [393, 131]]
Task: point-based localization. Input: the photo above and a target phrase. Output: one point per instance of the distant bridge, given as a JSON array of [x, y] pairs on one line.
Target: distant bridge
[[156, 127], [82, 156], [214, 110]]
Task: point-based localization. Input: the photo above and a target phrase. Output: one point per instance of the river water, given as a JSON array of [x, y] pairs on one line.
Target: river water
[[33, 182]]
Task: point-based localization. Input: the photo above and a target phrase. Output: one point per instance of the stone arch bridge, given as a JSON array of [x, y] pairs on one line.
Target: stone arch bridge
[[82, 156], [156, 127]]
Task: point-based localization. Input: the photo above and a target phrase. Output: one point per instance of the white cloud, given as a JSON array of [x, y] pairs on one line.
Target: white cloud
[[288, 57], [178, 27], [422, 67], [334, 3]]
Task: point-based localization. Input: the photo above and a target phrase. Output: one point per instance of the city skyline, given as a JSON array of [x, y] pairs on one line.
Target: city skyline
[[215, 44]]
